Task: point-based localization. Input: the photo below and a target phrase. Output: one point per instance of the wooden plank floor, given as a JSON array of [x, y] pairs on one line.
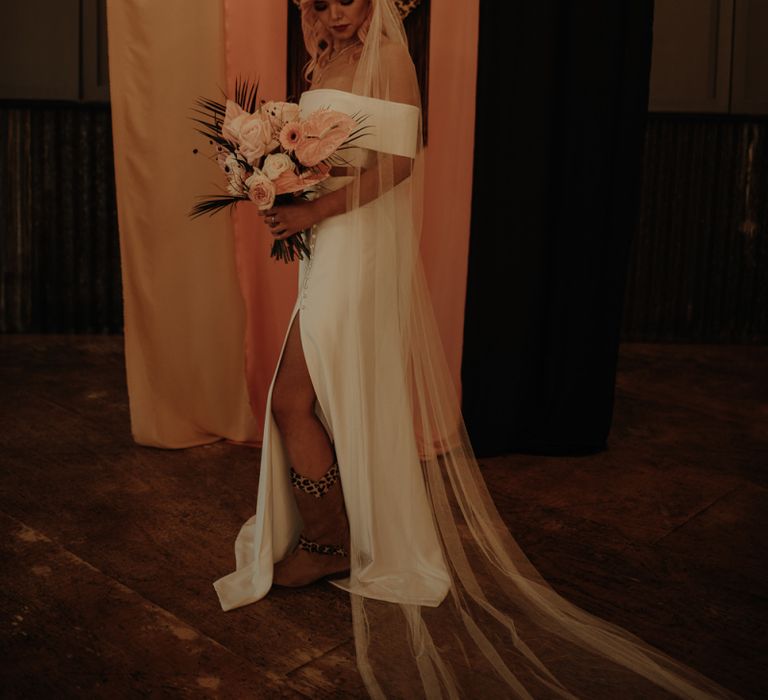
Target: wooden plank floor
[[109, 549]]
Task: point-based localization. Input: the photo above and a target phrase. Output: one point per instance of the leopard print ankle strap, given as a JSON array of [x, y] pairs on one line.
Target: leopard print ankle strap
[[318, 548], [316, 488]]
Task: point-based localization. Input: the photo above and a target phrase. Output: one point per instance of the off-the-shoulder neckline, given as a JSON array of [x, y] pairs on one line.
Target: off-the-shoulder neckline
[[354, 94], [346, 92]]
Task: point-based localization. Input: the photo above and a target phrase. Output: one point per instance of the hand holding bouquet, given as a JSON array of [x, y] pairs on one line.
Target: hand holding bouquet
[[269, 155]]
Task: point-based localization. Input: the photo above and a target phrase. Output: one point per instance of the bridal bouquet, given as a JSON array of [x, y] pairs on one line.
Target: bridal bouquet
[[269, 154]]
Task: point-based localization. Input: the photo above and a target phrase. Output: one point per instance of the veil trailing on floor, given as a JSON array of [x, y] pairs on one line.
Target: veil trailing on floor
[[500, 630]]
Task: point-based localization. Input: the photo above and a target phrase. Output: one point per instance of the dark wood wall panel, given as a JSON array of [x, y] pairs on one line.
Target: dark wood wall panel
[[60, 263], [699, 260], [698, 265]]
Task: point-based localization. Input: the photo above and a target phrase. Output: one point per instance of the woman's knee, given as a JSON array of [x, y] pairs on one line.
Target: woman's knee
[[293, 396]]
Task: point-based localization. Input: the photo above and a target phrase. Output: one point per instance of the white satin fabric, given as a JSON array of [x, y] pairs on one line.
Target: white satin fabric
[[443, 599], [396, 553]]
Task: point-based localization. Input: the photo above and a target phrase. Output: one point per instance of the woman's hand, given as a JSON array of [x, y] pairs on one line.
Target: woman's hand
[[284, 220]]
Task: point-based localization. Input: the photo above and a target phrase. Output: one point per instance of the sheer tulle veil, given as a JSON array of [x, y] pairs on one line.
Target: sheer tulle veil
[[501, 631]]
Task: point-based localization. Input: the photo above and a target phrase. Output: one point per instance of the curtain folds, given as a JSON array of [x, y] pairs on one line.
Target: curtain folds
[[206, 308], [256, 48], [553, 221], [449, 156], [184, 314]]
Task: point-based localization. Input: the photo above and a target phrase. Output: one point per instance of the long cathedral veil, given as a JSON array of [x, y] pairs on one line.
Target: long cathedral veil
[[501, 629]]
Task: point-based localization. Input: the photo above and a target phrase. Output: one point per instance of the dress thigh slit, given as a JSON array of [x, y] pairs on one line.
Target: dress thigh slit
[[319, 409]]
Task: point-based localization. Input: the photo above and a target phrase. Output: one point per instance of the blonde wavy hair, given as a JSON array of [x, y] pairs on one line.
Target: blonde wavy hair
[[318, 40]]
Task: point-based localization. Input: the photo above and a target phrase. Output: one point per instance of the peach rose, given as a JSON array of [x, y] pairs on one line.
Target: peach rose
[[255, 136], [261, 190], [322, 133], [276, 164]]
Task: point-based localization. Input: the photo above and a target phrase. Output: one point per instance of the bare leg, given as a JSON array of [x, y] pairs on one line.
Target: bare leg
[[308, 445], [324, 544]]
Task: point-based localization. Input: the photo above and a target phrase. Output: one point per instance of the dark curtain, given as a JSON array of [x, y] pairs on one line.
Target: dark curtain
[[561, 107], [59, 248]]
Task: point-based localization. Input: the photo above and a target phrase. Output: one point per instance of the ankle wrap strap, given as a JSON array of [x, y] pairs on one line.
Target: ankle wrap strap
[[317, 548], [316, 488]]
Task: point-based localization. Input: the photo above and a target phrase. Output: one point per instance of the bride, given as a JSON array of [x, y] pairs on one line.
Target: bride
[[368, 478]]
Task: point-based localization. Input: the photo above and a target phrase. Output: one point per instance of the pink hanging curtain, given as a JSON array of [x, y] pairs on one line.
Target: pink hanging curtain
[[255, 48], [453, 36], [256, 41]]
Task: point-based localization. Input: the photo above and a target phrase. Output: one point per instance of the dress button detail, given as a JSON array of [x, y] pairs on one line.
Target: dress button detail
[[305, 286]]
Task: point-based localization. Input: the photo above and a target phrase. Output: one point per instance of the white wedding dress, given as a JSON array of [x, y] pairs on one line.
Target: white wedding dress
[[396, 553], [442, 596]]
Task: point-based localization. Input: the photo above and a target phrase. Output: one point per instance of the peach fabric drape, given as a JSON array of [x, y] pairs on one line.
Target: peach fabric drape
[[184, 314], [206, 308]]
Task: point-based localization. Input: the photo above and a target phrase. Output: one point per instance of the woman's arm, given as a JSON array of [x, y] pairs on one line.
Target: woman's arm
[[303, 214], [292, 218], [335, 202]]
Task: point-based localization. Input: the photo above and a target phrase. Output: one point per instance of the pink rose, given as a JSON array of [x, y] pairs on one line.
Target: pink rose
[[255, 136], [322, 133], [261, 190]]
